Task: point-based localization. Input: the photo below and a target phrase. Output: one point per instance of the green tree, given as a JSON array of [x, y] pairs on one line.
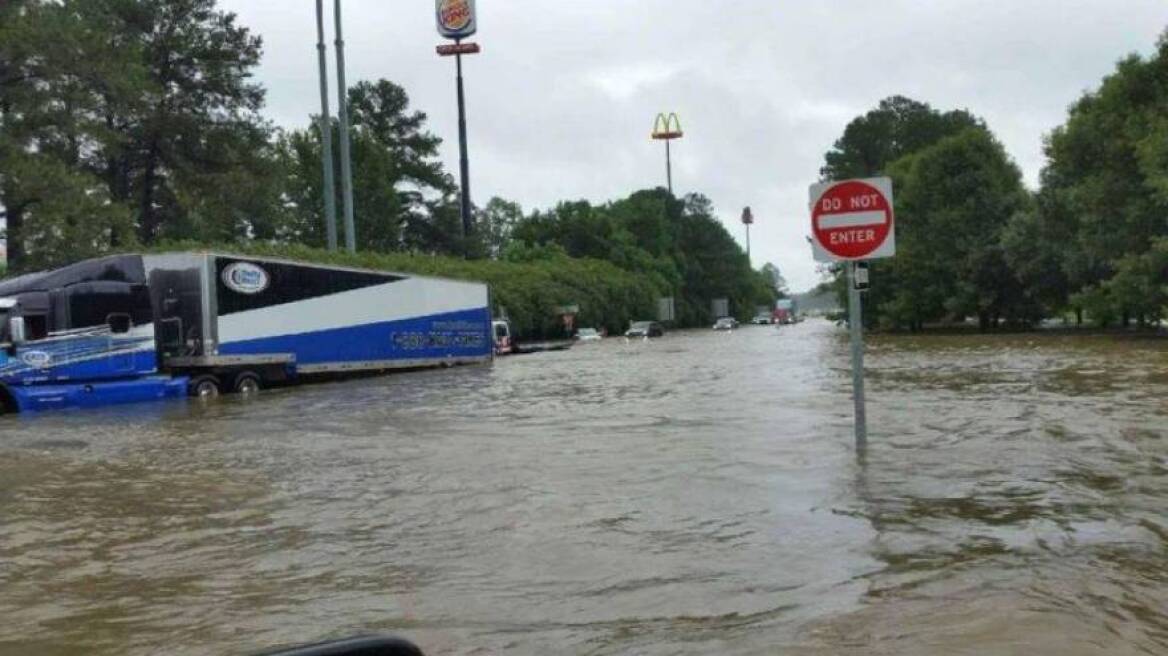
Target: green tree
[[775, 279], [53, 61], [954, 202], [898, 126], [402, 198], [677, 244], [144, 108], [189, 137], [950, 260], [1106, 182], [495, 223]]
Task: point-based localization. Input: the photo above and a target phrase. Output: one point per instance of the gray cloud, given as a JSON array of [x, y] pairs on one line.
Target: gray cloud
[[561, 101]]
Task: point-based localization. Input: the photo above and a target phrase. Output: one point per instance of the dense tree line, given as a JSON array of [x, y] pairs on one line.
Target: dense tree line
[[131, 123], [974, 243], [677, 244]]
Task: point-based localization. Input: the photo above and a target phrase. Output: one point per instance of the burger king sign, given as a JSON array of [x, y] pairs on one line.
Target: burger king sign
[[456, 18]]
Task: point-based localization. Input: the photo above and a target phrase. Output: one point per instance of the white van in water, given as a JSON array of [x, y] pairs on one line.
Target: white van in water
[[501, 329]]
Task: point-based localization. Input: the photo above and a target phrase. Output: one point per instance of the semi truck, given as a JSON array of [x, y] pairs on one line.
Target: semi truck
[[135, 327], [785, 310]]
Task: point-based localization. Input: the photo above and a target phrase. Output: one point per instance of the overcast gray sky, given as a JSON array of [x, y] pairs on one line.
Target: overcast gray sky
[[562, 98]]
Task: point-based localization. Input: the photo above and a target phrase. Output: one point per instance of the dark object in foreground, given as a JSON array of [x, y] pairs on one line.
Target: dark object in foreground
[[361, 646]]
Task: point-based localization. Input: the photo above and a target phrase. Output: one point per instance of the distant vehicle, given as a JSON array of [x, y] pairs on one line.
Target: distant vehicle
[[762, 319], [588, 335], [645, 329], [726, 323], [785, 311], [501, 329]]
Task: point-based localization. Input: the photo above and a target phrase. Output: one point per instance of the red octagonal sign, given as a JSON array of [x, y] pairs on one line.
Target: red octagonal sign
[[852, 219]]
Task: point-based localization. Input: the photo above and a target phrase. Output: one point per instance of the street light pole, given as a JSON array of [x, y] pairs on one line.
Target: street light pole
[[326, 136], [343, 115]]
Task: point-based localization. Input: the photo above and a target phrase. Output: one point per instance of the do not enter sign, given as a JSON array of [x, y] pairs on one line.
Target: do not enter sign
[[852, 219]]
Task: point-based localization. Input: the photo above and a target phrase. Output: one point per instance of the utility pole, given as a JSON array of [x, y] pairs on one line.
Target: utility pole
[[326, 136], [343, 115]]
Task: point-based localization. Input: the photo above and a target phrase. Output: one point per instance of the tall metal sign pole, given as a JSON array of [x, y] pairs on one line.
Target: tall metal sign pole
[[343, 115], [852, 221], [747, 220], [456, 20], [667, 127], [326, 136], [856, 330]]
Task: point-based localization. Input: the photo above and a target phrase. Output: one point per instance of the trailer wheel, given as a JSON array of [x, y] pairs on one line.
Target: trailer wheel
[[247, 384], [204, 387]]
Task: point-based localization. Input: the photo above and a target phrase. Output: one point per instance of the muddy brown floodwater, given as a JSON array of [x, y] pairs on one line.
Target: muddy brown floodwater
[[697, 494]]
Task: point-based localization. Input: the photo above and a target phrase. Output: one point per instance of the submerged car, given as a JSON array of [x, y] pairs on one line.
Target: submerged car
[[762, 319], [588, 335], [645, 329], [726, 323]]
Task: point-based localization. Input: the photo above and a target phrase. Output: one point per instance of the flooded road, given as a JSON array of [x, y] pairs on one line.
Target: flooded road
[[696, 494]]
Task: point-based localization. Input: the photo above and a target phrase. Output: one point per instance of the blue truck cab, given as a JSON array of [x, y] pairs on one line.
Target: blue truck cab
[[87, 343], [137, 327]]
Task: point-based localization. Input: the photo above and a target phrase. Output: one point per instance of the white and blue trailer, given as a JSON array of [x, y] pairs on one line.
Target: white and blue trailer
[[135, 327]]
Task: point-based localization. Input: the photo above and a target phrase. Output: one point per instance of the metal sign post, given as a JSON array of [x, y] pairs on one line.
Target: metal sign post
[[856, 328], [852, 220], [456, 20]]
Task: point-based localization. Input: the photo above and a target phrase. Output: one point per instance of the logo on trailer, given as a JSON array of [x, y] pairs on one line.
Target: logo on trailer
[[36, 359], [456, 18], [245, 278]]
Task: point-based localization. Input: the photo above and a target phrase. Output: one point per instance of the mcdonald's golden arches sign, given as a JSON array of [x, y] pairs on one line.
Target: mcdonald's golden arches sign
[[666, 126]]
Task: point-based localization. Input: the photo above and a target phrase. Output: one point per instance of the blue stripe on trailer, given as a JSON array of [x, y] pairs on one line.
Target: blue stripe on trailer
[[450, 335]]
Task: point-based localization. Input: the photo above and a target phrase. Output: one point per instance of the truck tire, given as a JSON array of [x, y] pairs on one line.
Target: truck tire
[[204, 387], [246, 383], [7, 402]]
